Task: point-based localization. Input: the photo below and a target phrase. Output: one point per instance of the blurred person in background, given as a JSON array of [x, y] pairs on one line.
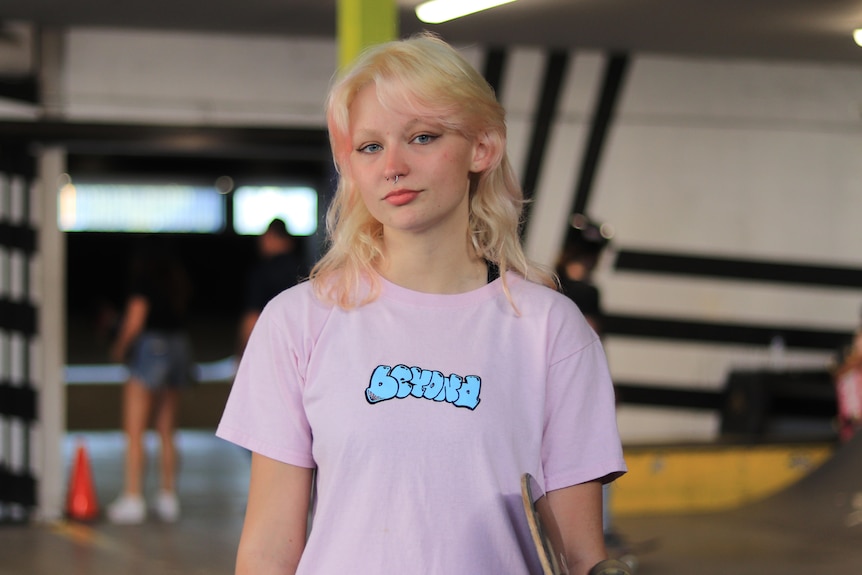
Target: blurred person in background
[[585, 243], [153, 342], [848, 387], [281, 266]]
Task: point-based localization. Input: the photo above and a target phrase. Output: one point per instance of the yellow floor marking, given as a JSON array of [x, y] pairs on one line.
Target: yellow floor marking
[[84, 534]]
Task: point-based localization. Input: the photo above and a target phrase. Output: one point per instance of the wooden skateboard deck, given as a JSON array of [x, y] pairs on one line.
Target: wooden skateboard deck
[[623, 559], [534, 501]]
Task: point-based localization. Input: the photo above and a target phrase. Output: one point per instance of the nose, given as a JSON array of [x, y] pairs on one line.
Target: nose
[[395, 165]]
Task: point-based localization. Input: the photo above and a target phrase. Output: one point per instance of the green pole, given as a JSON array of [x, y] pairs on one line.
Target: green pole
[[362, 23]]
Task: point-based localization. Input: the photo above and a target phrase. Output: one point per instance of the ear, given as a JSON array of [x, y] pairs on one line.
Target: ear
[[485, 152]]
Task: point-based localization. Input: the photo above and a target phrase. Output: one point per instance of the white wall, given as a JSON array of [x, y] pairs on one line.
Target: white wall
[[196, 78]]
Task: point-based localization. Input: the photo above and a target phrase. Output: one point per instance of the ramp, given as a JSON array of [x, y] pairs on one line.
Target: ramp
[[813, 527], [828, 500]]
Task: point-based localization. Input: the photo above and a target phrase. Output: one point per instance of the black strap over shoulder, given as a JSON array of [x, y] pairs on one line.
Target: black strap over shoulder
[[493, 271]]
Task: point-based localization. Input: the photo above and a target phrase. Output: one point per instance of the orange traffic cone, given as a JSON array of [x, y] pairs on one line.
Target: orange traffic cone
[[82, 503]]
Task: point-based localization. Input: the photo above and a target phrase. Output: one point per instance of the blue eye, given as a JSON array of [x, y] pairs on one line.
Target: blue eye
[[424, 138], [370, 148]]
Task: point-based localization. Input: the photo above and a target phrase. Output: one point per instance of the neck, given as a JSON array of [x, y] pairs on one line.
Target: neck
[[434, 266]]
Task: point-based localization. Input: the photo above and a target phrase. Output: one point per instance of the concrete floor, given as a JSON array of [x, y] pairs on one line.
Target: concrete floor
[[813, 528], [723, 545], [212, 485]]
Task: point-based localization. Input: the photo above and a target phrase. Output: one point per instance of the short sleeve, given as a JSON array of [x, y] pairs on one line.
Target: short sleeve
[[264, 411], [581, 440]]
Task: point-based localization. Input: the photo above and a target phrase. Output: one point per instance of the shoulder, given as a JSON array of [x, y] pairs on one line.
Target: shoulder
[[535, 295], [292, 318], [298, 299], [560, 316], [295, 309]]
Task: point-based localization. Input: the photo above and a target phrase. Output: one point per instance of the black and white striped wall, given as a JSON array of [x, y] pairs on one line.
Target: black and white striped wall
[[18, 333], [735, 190]]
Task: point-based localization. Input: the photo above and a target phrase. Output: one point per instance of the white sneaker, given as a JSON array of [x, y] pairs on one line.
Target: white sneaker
[[127, 510], [167, 506]]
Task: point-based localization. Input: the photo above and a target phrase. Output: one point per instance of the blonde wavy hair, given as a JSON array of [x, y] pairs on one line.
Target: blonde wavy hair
[[425, 76]]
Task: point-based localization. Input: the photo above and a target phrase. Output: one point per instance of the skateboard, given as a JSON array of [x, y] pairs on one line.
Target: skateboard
[[625, 555], [628, 552], [623, 558], [535, 507]]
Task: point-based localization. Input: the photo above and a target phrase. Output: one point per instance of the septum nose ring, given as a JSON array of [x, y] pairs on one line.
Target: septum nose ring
[[396, 179]]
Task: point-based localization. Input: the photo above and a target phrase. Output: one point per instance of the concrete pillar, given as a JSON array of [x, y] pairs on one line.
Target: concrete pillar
[[51, 279]]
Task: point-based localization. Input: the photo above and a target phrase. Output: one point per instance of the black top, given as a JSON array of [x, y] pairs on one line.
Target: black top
[[270, 277], [586, 297], [159, 276]]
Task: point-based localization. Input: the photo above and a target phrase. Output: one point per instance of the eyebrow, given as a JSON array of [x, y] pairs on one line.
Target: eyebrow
[[410, 125]]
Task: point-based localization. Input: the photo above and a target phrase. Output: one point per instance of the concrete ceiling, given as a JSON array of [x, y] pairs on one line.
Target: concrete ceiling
[[817, 30]]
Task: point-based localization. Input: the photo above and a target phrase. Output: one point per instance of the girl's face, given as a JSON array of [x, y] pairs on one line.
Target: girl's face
[[432, 166]]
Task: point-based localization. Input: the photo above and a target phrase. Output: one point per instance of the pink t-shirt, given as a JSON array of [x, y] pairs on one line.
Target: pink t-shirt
[[420, 413]]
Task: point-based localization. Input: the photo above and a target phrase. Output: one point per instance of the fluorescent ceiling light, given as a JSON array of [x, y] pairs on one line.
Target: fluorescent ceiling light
[[437, 11], [857, 35]]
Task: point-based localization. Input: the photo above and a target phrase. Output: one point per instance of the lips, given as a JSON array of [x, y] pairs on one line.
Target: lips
[[400, 197]]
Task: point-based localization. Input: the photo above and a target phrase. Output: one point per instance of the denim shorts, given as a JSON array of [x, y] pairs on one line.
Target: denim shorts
[[162, 360]]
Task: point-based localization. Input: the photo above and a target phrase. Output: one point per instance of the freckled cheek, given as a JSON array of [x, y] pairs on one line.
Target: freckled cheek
[[363, 177], [366, 198], [455, 161]]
